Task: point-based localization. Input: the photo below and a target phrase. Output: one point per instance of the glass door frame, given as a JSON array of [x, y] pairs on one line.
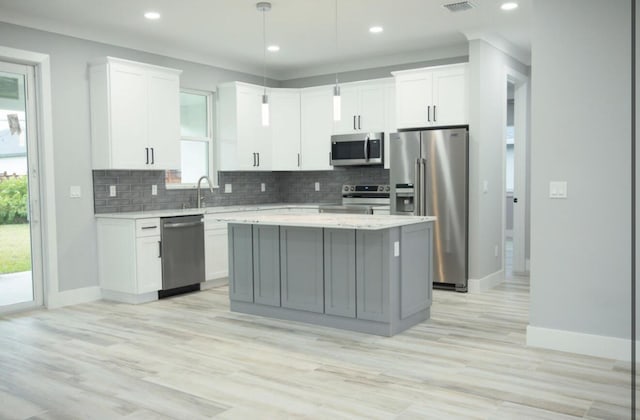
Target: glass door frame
[[33, 183]]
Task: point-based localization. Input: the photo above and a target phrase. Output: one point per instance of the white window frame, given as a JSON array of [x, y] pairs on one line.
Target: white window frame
[[211, 147]]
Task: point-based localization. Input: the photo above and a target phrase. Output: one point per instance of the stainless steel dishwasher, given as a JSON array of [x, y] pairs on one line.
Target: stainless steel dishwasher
[[182, 250]]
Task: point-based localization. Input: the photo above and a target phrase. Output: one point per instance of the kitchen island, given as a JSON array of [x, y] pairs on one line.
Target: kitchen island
[[364, 273]]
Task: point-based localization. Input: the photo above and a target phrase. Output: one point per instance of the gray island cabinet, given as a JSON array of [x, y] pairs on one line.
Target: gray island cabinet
[[371, 274]]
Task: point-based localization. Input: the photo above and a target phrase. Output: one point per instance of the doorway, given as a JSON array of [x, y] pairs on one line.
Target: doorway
[[515, 188], [20, 235]]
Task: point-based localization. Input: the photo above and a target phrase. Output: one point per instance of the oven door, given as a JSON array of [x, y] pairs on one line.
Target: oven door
[[357, 149]]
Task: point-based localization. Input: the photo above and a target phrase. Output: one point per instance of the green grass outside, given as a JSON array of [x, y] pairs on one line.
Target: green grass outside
[[15, 248]]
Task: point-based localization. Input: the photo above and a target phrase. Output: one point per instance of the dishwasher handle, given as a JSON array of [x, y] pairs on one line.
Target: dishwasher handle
[[175, 225]]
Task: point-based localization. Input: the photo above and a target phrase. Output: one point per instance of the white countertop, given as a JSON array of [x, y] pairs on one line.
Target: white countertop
[[205, 210], [325, 220]]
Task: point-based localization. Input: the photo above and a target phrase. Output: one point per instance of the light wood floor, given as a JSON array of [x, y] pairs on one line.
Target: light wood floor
[[188, 357]]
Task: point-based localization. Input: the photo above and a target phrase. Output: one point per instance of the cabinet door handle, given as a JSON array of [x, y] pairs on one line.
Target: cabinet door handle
[[434, 113], [298, 160], [359, 126], [153, 156], [258, 158], [254, 159], [329, 158], [159, 249], [146, 149], [354, 122], [429, 113], [149, 227]]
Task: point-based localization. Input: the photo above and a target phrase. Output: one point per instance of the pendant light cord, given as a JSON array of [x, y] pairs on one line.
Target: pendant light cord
[[336, 12], [264, 50]]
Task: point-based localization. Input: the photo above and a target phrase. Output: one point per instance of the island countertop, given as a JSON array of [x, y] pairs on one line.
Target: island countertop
[[325, 220]]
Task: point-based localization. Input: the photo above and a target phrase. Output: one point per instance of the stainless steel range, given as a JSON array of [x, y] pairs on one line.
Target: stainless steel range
[[361, 199]]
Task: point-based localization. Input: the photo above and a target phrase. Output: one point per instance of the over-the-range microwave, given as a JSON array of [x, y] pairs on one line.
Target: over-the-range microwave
[[357, 149]]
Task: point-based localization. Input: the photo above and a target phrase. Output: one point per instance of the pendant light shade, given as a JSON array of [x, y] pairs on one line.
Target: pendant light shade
[[264, 7], [265, 110], [337, 102], [337, 106]]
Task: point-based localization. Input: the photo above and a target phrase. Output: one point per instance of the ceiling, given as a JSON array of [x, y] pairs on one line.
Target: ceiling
[[228, 33]]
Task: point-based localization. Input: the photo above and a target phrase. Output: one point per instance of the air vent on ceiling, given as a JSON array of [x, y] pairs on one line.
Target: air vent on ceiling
[[459, 6]]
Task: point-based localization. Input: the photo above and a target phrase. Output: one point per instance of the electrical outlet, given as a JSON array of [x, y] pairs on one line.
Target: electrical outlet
[[227, 188], [485, 186], [495, 251], [396, 248], [154, 190], [263, 187], [317, 186], [112, 190]]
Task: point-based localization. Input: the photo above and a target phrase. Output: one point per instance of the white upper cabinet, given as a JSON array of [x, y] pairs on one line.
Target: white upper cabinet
[[316, 126], [435, 96], [362, 107], [243, 142], [135, 115], [285, 129]]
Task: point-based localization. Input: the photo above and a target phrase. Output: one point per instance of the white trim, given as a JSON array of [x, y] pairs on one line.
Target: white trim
[[47, 173], [74, 297], [485, 283], [580, 343], [129, 297]]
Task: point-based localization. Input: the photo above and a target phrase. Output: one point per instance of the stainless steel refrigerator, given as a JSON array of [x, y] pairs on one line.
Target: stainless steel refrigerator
[[429, 177]]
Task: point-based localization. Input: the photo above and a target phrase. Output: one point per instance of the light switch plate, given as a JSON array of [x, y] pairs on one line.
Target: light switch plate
[[154, 190], [485, 186], [227, 188], [317, 186], [396, 248], [558, 189], [263, 187], [112, 190], [75, 191]]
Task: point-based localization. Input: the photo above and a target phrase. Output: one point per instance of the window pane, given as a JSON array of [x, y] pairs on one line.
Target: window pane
[[193, 115], [195, 160]]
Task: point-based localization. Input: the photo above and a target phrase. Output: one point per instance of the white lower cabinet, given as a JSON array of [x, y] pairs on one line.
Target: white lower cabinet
[[129, 260], [216, 249]]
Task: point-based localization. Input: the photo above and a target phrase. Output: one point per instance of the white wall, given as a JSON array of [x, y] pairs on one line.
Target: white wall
[[77, 259], [487, 116], [580, 247]]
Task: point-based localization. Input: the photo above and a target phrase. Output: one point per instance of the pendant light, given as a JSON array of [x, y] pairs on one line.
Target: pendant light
[[337, 108], [264, 7]]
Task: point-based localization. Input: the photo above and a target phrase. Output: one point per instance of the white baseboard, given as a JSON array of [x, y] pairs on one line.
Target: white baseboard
[[73, 297], [581, 343], [129, 297], [485, 283]]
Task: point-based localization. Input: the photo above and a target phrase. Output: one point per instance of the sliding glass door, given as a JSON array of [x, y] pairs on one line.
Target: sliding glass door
[[20, 233]]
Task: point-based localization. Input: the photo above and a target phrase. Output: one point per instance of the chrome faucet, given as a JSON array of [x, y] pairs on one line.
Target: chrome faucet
[[200, 198]]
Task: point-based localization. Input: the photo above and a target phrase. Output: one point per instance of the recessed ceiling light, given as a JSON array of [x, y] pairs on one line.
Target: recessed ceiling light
[[375, 29], [152, 15], [273, 48], [509, 5]]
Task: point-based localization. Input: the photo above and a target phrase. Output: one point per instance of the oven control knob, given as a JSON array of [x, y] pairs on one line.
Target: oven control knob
[[380, 187], [346, 188], [387, 188], [353, 188]]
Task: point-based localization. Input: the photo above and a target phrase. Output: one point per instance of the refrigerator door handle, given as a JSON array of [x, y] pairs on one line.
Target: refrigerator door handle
[[423, 185], [417, 192]]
